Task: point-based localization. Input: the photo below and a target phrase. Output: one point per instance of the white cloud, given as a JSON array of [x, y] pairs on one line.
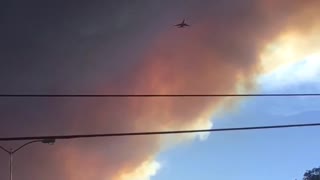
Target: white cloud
[[145, 171]]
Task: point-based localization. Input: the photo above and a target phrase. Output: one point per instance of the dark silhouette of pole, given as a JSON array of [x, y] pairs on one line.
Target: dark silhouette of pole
[[12, 151]]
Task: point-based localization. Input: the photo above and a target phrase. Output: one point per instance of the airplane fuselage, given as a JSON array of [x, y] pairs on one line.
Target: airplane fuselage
[[182, 24]]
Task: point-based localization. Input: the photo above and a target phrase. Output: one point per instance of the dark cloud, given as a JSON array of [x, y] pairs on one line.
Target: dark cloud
[[71, 45]]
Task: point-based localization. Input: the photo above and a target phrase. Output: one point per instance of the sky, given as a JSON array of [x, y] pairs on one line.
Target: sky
[[132, 47]]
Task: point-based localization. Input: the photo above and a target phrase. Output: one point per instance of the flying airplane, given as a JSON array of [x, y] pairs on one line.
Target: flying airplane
[[182, 24]]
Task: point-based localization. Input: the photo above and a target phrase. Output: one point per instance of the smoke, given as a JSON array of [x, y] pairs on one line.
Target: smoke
[[219, 53]]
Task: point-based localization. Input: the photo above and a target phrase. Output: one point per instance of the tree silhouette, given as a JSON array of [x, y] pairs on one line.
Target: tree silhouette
[[313, 174]]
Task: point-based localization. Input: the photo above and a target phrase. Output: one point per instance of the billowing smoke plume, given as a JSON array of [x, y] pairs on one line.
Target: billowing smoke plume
[[131, 48]]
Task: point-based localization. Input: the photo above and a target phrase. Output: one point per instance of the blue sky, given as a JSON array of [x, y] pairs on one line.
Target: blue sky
[[262, 154]]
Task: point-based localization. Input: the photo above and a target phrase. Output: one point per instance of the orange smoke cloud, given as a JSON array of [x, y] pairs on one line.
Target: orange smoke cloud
[[207, 58], [298, 39]]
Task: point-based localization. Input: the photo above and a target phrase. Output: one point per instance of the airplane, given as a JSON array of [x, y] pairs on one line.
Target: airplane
[[182, 24]]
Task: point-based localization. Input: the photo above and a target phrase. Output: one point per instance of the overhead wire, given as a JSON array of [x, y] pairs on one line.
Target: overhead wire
[[77, 136], [157, 95]]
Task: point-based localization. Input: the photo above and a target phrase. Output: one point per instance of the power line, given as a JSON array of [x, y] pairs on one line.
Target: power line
[[156, 95], [155, 132]]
